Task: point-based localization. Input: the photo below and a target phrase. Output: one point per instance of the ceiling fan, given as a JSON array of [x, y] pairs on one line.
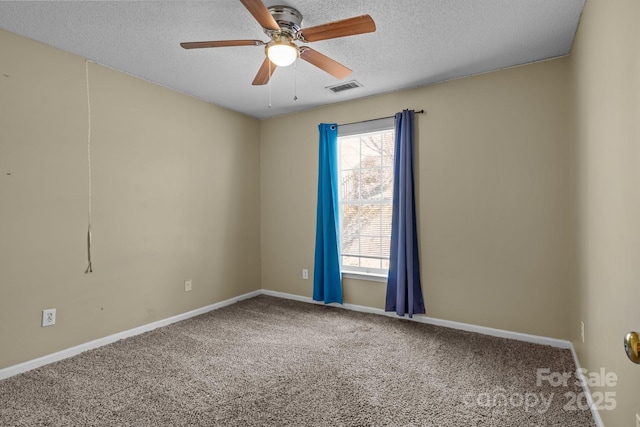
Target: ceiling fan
[[283, 26]]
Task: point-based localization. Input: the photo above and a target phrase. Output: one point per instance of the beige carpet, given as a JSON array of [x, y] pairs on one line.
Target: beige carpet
[[273, 362]]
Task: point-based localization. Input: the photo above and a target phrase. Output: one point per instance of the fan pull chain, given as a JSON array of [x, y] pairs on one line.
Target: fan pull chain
[[269, 61], [89, 267], [295, 80]]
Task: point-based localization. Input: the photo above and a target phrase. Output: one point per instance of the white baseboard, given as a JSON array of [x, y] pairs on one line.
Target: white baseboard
[[73, 351], [535, 339], [587, 392]]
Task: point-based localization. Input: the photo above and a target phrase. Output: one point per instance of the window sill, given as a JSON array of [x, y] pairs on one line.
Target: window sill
[[370, 277]]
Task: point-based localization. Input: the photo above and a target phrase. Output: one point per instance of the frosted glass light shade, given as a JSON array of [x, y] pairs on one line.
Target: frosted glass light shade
[[282, 54]]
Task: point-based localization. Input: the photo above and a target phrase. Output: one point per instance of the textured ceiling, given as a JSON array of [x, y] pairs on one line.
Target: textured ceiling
[[417, 42]]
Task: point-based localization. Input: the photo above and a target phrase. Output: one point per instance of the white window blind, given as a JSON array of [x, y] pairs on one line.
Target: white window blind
[[366, 194]]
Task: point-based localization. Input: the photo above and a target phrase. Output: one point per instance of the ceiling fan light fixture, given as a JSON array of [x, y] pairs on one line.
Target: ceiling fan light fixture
[[282, 52], [283, 26]]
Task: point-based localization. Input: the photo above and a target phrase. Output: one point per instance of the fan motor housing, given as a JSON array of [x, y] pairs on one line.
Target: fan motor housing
[[288, 18]]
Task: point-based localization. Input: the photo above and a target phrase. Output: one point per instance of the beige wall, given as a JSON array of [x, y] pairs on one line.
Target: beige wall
[[175, 197], [494, 183], [605, 65]]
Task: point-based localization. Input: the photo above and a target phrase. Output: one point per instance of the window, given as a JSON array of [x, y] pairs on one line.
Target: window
[[365, 155]]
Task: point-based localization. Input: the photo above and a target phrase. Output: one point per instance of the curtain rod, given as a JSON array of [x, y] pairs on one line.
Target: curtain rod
[[379, 118]]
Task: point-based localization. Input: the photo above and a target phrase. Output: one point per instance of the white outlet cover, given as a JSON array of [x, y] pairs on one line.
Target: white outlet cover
[[187, 285], [49, 317]]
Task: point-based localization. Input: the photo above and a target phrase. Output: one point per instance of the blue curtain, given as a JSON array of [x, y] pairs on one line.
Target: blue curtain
[[404, 293], [327, 279]]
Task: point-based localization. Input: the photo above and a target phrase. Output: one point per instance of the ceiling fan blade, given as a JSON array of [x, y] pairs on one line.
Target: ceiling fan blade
[[323, 62], [261, 13], [221, 43], [345, 27], [264, 73]]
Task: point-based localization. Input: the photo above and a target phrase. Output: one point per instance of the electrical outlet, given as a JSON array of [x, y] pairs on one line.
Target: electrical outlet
[[187, 285], [582, 330], [305, 274], [48, 317]]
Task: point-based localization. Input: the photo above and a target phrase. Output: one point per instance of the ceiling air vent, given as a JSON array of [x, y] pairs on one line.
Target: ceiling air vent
[[344, 86]]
